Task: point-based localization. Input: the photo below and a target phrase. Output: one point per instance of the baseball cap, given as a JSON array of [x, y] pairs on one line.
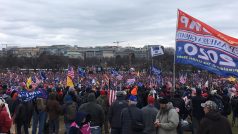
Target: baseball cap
[[210, 104], [163, 100]]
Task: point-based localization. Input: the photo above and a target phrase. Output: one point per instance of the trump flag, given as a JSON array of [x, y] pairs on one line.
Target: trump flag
[[156, 50], [204, 47]]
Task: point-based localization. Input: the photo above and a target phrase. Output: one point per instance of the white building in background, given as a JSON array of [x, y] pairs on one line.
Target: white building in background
[[107, 53], [79, 52], [73, 54], [23, 51]]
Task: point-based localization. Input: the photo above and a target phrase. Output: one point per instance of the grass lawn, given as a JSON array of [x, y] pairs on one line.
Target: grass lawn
[[235, 128]]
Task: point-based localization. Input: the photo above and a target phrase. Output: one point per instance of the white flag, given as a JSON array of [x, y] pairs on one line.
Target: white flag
[[156, 51]]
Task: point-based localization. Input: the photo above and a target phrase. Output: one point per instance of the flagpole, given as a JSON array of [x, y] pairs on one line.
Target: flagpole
[[174, 69]]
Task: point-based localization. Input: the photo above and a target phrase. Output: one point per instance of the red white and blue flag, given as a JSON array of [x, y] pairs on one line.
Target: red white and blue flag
[[204, 47], [70, 73]]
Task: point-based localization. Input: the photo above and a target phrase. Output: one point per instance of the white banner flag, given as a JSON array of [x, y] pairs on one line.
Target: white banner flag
[[156, 51]]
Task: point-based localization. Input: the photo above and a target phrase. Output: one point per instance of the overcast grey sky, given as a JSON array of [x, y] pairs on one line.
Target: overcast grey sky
[[102, 22]]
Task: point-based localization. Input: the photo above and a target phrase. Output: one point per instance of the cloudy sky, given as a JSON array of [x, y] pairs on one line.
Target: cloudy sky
[[102, 22]]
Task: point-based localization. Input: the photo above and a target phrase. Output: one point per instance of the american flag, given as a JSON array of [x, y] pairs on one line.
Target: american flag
[[71, 72], [112, 96], [111, 93]]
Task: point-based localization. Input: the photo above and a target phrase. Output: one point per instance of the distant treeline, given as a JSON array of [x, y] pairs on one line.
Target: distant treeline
[[46, 61]]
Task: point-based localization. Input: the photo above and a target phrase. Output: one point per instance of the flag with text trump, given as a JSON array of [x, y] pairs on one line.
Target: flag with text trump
[[204, 47]]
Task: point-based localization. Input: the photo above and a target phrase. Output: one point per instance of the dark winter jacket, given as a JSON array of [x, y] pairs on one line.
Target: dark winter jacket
[[149, 117], [23, 110], [214, 123], [53, 109], [197, 110], [94, 110], [126, 119], [102, 100], [227, 105], [179, 103], [114, 115]]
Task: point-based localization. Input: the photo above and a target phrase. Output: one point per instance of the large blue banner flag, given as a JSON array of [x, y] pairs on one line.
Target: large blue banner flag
[[204, 47]]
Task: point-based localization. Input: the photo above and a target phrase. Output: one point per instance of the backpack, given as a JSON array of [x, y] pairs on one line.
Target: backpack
[[71, 111], [40, 104]]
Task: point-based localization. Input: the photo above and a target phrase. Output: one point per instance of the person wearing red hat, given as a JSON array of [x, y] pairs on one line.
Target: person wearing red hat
[[149, 116]]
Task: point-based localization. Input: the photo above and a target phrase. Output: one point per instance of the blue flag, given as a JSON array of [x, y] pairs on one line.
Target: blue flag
[[114, 72], [42, 75], [155, 71], [81, 72]]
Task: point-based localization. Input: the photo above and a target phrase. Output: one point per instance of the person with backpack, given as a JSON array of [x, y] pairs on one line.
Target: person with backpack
[[69, 110], [95, 112], [81, 125], [39, 115], [5, 119], [53, 108], [102, 100], [114, 113], [131, 118]]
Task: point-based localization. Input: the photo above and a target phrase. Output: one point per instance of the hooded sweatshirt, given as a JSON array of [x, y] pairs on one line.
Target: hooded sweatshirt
[[94, 110], [214, 123]]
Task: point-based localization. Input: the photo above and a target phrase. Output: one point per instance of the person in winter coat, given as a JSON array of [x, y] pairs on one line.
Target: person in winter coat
[[131, 113], [149, 116], [102, 100], [227, 103], [179, 105], [167, 118], [213, 122], [5, 120], [69, 110], [95, 112], [54, 110], [197, 110], [21, 116], [115, 110]]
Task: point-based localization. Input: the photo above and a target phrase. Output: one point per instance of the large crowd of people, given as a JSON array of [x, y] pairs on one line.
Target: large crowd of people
[[125, 102]]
